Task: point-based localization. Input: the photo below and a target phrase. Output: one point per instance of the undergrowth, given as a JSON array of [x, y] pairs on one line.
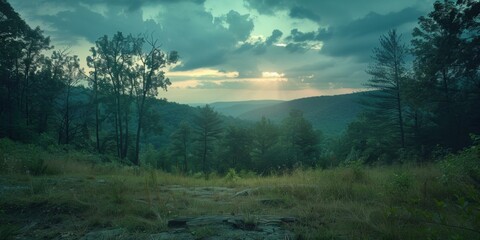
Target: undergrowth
[[78, 192]]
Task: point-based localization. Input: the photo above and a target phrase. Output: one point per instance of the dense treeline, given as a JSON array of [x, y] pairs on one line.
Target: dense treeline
[[419, 108], [430, 107]]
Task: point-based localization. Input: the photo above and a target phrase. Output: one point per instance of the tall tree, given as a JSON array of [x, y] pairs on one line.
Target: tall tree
[[20, 57], [388, 74], [66, 69], [95, 78], [147, 79], [444, 46], [236, 145], [116, 64], [264, 135], [208, 128], [300, 138], [180, 140]]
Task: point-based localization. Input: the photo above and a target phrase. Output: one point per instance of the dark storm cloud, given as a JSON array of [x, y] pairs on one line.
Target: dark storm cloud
[[82, 22], [276, 35], [185, 26], [221, 38], [303, 13], [259, 47], [240, 25], [298, 36], [266, 6], [297, 47], [201, 40], [360, 36], [374, 23], [356, 38]]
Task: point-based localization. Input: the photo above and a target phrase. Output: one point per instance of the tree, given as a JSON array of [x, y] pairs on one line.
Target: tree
[[133, 75], [264, 135], [116, 63], [20, 59], [208, 128], [236, 147], [300, 138], [147, 79], [444, 46], [180, 140], [388, 74], [66, 69], [94, 62]]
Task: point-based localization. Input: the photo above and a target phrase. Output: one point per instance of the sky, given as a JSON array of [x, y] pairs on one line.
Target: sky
[[235, 50]]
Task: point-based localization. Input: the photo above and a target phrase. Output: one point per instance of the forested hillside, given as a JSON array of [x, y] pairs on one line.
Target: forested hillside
[[329, 114], [236, 109]]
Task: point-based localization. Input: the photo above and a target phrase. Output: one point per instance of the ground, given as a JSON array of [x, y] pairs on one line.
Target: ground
[[102, 201]]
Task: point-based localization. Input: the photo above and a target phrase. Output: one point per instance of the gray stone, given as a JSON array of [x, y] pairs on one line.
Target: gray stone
[[110, 234], [229, 227]]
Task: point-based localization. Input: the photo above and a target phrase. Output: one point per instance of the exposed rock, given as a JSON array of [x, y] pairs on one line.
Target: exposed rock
[[110, 234], [246, 192], [228, 227], [178, 223], [200, 192]]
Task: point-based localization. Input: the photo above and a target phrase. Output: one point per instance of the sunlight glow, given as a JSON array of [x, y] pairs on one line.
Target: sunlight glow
[[203, 72], [272, 75]]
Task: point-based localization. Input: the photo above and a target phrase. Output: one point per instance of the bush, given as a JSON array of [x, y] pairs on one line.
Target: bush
[[231, 176], [355, 171], [462, 168], [398, 186]]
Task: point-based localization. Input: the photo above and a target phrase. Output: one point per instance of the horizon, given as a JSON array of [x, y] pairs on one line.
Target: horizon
[[267, 99], [243, 50]]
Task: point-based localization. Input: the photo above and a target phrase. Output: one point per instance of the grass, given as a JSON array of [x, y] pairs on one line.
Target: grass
[[72, 197]]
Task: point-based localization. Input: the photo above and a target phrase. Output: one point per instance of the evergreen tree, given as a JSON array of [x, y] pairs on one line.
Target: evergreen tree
[[180, 141], [388, 75], [265, 135], [208, 129], [445, 64], [236, 147], [300, 139]]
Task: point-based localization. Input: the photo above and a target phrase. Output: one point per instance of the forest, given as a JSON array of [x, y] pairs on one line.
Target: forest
[[418, 130]]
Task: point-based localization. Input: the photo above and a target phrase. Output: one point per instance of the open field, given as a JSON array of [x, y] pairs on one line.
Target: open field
[[67, 197]]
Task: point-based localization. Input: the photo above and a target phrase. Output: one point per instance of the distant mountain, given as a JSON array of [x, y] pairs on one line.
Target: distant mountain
[[236, 109], [330, 114]]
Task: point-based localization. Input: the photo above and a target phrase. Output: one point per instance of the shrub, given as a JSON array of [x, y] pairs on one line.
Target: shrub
[[355, 171], [464, 167], [231, 176], [399, 185]]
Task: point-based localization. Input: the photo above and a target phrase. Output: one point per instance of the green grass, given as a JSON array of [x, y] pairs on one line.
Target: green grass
[[73, 196]]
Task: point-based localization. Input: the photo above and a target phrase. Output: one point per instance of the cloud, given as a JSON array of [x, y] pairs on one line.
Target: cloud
[[82, 22], [379, 23], [266, 6], [297, 47], [276, 35], [356, 38], [303, 13], [316, 44], [240, 25], [259, 46]]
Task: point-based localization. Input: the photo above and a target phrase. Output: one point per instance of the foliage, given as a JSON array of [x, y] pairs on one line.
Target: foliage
[[231, 176], [208, 128], [388, 77], [462, 168]]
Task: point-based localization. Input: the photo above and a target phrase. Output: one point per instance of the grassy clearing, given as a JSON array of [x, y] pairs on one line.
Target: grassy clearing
[[72, 196]]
